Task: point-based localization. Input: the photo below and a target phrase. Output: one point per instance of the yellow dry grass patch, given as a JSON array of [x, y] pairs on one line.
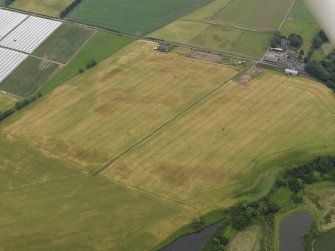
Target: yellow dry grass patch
[[103, 112], [227, 142], [45, 7], [247, 240]]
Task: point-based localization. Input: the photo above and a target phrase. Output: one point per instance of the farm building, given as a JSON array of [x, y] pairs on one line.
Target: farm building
[[271, 58], [291, 72]]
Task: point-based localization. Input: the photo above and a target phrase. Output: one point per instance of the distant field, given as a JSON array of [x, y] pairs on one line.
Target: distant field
[[124, 98], [64, 43], [45, 7], [207, 28], [221, 38], [99, 47], [264, 14], [28, 77], [6, 102], [128, 16], [301, 13]]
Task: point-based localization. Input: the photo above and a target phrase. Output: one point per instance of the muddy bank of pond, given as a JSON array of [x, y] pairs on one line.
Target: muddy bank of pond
[[292, 229]]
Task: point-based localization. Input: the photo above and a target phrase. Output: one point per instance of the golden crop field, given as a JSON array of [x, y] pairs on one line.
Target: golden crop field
[[45, 7], [101, 113], [224, 144], [180, 136]]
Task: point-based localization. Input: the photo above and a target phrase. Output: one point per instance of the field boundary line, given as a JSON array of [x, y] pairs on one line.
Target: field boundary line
[[155, 131], [152, 193], [287, 14]]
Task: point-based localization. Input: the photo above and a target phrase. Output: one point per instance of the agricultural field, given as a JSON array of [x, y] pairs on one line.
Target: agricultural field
[[99, 47], [217, 27], [226, 142], [141, 102], [262, 14], [220, 38], [6, 102], [49, 205], [70, 37], [130, 18], [28, 77], [45, 7], [325, 242]]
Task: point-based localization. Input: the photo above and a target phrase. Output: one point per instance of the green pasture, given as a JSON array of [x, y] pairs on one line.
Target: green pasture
[[220, 38], [262, 14], [130, 17], [6, 102], [45, 7], [28, 77], [100, 46], [64, 43], [47, 204]]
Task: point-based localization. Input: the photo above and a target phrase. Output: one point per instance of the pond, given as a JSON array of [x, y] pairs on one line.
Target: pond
[[292, 229], [193, 242]]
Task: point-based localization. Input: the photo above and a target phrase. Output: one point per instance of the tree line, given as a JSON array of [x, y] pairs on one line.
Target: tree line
[[263, 211], [18, 106], [69, 8]]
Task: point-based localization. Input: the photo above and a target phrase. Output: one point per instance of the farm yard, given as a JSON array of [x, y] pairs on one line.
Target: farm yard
[[139, 20], [45, 7]]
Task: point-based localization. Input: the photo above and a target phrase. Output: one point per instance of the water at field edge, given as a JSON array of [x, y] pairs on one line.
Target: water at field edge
[[292, 229], [192, 242]]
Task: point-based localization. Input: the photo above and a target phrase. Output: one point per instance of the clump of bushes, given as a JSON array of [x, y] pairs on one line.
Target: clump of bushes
[[69, 8], [90, 64]]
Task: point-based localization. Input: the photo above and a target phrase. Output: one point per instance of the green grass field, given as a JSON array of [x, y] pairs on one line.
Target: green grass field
[[263, 14], [6, 102], [47, 204], [64, 43], [207, 28], [45, 7], [220, 38], [100, 46], [130, 17], [325, 242], [302, 22], [28, 77]]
